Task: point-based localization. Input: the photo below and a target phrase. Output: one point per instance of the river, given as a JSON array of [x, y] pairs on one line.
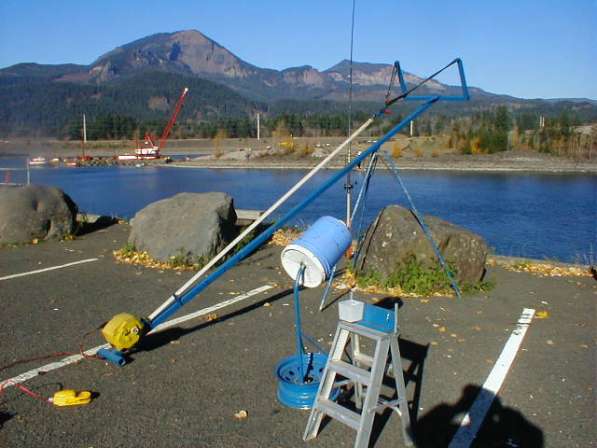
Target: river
[[545, 216]]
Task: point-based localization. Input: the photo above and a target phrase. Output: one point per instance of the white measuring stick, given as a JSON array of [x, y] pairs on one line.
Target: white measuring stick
[[255, 223]]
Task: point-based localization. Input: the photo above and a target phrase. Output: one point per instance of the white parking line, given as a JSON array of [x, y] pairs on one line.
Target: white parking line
[[92, 351], [52, 268], [472, 421]]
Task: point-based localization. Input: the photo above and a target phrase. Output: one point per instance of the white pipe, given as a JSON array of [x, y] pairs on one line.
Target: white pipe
[[258, 221]]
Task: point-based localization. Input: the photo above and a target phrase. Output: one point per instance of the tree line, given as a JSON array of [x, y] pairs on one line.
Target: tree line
[[499, 129], [487, 131]]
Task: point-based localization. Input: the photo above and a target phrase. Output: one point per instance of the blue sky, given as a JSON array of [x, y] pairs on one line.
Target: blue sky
[[525, 48]]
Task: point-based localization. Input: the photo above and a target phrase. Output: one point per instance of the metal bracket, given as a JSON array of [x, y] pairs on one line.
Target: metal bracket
[[465, 96]]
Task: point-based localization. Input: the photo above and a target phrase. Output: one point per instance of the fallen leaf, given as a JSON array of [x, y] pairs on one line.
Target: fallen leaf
[[267, 304], [211, 316], [541, 315], [549, 342], [442, 329], [241, 415]]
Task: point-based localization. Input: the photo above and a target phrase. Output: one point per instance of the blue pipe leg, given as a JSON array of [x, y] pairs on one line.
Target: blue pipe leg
[[192, 292], [300, 350], [112, 355]]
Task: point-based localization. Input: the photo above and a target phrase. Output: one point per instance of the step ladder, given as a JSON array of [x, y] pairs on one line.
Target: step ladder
[[366, 373]]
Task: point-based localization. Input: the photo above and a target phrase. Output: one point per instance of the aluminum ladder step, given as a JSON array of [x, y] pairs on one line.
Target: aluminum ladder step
[[352, 372], [367, 360], [340, 413]]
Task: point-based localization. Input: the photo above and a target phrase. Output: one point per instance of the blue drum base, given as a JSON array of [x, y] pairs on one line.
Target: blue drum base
[[293, 391]]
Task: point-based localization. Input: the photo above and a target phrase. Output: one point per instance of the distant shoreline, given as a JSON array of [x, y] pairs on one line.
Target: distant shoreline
[[468, 166], [199, 155]]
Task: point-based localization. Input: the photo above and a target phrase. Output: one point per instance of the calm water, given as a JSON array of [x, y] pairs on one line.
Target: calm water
[[528, 215]]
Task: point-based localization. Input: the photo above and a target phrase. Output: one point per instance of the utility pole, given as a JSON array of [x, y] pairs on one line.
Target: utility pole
[[84, 135], [258, 127], [84, 130]]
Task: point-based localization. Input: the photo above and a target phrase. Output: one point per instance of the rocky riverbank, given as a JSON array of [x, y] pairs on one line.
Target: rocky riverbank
[[509, 161], [417, 153]]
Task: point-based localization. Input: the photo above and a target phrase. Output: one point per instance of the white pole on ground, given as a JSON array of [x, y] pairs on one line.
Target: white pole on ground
[[28, 172], [412, 127], [259, 220]]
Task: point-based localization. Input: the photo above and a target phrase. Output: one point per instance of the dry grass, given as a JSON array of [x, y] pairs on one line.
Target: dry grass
[[542, 269], [284, 237], [135, 258]]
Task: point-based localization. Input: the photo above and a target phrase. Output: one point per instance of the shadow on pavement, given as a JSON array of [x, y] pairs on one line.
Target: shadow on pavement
[[416, 354], [4, 417], [157, 340], [502, 426]]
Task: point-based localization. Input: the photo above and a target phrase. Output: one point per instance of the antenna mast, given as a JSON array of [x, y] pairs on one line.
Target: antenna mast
[[348, 185]]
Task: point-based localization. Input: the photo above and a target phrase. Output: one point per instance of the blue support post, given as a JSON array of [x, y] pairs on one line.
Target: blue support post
[[300, 348], [266, 234], [394, 169], [192, 292]]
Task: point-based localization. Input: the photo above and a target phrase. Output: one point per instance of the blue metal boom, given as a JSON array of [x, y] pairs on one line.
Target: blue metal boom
[[192, 292]]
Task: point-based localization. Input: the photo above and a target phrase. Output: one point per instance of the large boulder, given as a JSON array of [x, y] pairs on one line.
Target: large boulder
[[395, 238], [30, 212], [188, 226]]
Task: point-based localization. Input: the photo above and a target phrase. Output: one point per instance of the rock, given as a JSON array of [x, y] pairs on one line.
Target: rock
[[395, 237], [319, 153], [31, 212], [236, 155], [194, 226]]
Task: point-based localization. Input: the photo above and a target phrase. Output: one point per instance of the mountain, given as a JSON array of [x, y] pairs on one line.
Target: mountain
[[192, 53], [143, 78]]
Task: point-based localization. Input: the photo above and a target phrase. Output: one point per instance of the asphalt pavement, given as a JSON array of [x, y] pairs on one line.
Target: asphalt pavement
[[184, 385]]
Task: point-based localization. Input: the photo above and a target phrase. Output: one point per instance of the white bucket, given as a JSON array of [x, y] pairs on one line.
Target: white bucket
[[318, 249]]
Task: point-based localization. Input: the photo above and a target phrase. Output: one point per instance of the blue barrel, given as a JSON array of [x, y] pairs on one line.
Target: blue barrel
[[319, 249]]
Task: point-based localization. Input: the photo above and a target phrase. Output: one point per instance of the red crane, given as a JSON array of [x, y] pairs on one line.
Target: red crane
[[168, 128], [149, 150]]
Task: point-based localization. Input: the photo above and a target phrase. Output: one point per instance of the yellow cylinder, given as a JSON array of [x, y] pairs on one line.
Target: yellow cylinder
[[123, 331]]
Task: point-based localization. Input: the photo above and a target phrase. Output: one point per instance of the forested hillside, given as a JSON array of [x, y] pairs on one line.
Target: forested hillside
[[37, 106]]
